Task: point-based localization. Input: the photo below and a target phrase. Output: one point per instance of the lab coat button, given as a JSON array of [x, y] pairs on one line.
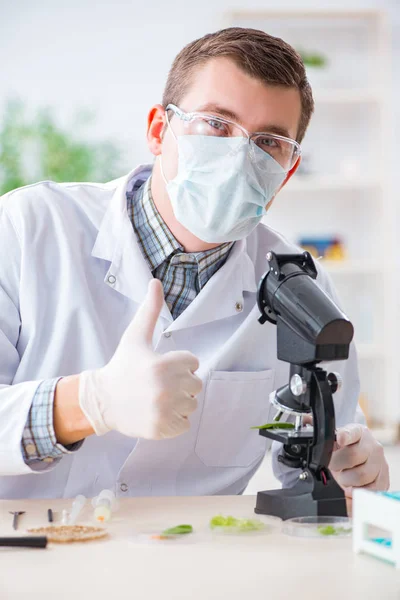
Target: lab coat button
[[123, 487], [167, 334], [30, 449], [239, 306], [111, 279]]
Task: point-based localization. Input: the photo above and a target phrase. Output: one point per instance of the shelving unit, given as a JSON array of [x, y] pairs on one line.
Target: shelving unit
[[351, 267], [344, 189], [322, 183], [343, 96]]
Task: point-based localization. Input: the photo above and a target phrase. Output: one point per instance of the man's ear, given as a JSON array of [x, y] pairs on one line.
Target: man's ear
[[288, 176], [155, 128], [290, 173]]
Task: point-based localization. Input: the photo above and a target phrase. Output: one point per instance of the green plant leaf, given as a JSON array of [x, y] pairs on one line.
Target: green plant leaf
[[276, 425], [178, 530], [313, 59], [37, 148], [235, 524]]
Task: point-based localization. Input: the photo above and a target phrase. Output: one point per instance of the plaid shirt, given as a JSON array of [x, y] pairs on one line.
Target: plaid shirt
[[182, 274]]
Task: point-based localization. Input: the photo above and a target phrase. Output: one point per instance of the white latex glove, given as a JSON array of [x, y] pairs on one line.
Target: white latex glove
[[141, 393], [358, 460]]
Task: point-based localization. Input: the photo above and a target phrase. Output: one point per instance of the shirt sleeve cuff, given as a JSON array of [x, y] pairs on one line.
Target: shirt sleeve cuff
[[39, 443]]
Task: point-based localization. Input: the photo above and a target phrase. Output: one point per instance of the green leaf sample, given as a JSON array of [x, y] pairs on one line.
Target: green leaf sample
[[332, 530], [275, 425], [178, 530], [234, 524]]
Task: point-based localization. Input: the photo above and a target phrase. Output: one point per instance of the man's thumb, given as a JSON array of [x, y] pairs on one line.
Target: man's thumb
[[147, 315], [350, 434]]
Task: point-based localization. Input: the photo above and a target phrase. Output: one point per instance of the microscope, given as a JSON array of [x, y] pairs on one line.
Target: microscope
[[310, 329]]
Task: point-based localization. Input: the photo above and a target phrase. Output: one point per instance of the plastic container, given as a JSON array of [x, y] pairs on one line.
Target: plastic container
[[77, 506], [104, 505], [318, 527]]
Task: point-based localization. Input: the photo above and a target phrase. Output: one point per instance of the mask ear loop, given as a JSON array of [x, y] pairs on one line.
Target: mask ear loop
[[176, 139]]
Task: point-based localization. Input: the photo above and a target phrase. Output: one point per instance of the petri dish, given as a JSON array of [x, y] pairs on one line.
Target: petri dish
[[155, 536], [318, 527]]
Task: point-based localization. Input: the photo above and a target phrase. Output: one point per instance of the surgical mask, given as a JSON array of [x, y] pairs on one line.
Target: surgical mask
[[222, 186]]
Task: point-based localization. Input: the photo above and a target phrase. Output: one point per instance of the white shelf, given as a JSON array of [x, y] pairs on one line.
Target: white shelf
[[350, 267], [321, 183], [346, 96]]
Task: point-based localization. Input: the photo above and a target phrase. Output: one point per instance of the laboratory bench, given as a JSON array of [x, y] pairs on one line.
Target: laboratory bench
[[202, 565]]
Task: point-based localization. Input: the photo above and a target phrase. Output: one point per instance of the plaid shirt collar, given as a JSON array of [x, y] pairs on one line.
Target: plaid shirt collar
[[159, 245]]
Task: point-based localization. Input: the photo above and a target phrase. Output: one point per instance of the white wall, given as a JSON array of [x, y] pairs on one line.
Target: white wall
[[114, 56]]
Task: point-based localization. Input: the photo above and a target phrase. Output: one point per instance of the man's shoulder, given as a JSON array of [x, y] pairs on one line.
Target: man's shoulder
[[46, 200], [264, 239]]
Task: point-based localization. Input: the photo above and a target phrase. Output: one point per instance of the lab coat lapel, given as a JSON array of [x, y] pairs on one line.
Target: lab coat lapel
[[116, 243], [222, 296]]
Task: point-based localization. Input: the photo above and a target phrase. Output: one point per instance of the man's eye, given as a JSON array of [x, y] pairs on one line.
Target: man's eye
[[217, 125], [268, 142]]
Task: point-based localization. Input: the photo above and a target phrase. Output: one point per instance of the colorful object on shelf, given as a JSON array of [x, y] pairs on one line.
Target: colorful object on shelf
[[379, 510], [329, 248]]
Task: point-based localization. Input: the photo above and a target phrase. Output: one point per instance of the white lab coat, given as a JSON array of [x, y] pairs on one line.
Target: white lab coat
[[61, 313]]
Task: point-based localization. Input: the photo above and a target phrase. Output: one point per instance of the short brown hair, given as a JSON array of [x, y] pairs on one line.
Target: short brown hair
[[264, 57]]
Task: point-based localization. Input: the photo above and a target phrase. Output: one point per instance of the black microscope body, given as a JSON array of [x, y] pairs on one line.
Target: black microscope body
[[310, 329]]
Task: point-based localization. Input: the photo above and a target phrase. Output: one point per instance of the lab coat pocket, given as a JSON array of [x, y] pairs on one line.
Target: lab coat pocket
[[233, 403]]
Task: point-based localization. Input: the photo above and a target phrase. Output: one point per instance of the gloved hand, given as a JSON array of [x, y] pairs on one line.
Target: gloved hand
[[141, 393], [358, 460]]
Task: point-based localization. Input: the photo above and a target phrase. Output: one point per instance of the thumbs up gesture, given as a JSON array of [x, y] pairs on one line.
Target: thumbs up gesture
[[141, 393]]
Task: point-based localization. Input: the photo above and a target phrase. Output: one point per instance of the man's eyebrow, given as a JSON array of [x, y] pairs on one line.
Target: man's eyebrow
[[219, 110], [277, 129], [232, 116]]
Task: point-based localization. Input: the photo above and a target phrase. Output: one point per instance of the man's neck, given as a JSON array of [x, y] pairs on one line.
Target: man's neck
[[163, 204]]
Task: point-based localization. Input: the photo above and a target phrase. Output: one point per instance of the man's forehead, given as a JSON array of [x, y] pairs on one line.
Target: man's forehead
[[221, 87]]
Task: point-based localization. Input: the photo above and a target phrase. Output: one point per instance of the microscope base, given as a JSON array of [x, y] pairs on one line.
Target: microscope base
[[300, 501]]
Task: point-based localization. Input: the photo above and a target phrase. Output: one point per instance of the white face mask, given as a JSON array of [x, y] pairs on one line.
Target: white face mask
[[219, 194]]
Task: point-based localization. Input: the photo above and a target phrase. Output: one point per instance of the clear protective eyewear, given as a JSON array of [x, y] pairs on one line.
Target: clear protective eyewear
[[283, 150]]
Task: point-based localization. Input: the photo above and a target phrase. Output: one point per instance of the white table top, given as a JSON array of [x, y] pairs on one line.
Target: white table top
[[206, 567]]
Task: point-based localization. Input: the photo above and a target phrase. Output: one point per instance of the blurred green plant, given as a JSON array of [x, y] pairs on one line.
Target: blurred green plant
[[313, 59], [37, 148]]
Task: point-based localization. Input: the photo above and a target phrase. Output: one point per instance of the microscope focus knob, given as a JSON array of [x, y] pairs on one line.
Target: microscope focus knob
[[298, 386], [335, 382]]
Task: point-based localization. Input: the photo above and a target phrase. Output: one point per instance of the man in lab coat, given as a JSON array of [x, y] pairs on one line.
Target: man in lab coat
[[131, 356]]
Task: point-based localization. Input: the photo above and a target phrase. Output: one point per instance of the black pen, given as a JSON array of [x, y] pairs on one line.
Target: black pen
[[50, 515], [26, 541]]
